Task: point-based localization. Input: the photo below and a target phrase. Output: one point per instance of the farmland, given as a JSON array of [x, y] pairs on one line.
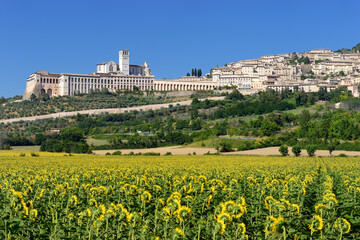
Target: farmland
[[178, 197]]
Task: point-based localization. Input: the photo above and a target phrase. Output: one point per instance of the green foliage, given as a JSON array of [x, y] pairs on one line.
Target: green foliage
[[343, 50], [284, 150], [94, 100], [310, 149], [33, 97], [356, 48], [2, 100], [151, 154], [225, 147], [34, 154], [269, 128], [117, 153], [235, 95], [304, 120], [70, 140], [296, 150], [221, 128], [17, 139], [44, 97]]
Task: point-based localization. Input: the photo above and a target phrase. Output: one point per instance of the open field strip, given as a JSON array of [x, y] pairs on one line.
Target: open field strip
[[181, 150], [178, 197]]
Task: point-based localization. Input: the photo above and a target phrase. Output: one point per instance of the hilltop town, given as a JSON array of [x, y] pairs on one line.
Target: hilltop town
[[306, 71]]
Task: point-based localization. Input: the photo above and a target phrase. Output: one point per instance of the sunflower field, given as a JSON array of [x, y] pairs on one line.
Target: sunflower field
[[53, 196]]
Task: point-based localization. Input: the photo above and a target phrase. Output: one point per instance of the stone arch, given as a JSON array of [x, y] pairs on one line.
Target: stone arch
[[49, 92], [42, 91]]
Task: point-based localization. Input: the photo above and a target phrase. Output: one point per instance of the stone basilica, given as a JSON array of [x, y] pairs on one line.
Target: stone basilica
[[109, 75]]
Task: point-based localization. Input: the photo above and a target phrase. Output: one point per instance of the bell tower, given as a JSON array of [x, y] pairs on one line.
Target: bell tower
[[124, 61]]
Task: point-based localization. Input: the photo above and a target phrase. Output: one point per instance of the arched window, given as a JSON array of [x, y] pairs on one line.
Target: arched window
[[111, 68]]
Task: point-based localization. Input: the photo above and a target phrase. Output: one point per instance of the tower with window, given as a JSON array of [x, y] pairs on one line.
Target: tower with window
[[124, 61]]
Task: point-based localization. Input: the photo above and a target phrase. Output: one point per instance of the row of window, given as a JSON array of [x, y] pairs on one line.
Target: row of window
[[49, 80], [85, 90], [102, 86], [108, 81]]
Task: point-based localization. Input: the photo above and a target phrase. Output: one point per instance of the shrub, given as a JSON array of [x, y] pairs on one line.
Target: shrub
[[342, 155], [34, 154], [168, 154], [296, 150], [284, 150], [225, 147], [151, 154], [311, 149], [117, 153], [107, 154]]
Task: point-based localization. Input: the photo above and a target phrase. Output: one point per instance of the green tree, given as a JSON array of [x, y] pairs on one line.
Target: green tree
[[307, 60], [44, 97], [33, 97], [195, 72], [199, 73], [284, 150], [225, 147], [304, 121], [188, 74], [136, 89], [296, 150], [311, 149], [356, 48], [235, 95], [269, 128]]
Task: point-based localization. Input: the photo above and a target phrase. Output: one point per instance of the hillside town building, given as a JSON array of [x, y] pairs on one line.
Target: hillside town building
[[303, 71], [109, 75]]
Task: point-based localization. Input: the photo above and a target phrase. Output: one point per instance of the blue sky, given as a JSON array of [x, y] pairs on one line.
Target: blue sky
[[172, 36]]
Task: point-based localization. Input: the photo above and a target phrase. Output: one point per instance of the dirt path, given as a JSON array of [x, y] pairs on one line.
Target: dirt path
[[107, 110], [275, 151], [179, 150], [175, 150]]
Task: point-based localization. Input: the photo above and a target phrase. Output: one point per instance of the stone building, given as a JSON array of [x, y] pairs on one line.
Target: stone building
[[323, 67], [284, 70], [109, 75]]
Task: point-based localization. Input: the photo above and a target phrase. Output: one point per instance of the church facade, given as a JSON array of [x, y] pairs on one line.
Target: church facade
[[109, 75]]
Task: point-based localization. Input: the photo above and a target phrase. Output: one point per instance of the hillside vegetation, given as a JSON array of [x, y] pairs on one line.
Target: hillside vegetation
[[268, 118], [95, 100]]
